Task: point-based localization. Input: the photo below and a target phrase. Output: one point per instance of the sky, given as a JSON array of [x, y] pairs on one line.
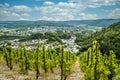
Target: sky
[[59, 10]]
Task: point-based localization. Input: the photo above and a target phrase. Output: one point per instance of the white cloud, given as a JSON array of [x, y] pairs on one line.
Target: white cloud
[[95, 3], [63, 11], [64, 17], [88, 16], [57, 17], [66, 5], [23, 19], [48, 3], [21, 8], [4, 5], [8, 13], [114, 13], [73, 9]]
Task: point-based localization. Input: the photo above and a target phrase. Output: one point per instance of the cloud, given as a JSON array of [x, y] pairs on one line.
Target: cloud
[[63, 11], [21, 8], [4, 5], [87, 16], [12, 13], [23, 19], [48, 3], [64, 17], [57, 17], [114, 13], [7, 15], [73, 9], [95, 3], [70, 10], [66, 5]]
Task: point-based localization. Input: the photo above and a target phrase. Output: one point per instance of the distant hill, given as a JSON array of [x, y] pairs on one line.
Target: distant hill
[[108, 38], [32, 24], [98, 22]]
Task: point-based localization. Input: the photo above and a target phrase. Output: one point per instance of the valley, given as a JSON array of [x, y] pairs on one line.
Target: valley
[[56, 52]]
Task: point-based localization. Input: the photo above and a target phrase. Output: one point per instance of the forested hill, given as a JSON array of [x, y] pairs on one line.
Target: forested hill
[[108, 38]]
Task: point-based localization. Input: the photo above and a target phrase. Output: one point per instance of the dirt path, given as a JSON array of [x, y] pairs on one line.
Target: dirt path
[[77, 73]]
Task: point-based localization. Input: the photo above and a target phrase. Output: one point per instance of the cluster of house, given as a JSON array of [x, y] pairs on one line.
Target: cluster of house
[[31, 44]]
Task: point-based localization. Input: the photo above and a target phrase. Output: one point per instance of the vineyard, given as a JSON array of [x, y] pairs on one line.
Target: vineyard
[[45, 63], [42, 61], [99, 66], [59, 39]]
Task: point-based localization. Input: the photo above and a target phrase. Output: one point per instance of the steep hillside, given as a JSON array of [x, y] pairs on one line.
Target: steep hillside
[[109, 39]]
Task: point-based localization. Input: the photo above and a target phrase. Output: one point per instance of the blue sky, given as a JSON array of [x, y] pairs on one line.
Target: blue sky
[[58, 10]]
